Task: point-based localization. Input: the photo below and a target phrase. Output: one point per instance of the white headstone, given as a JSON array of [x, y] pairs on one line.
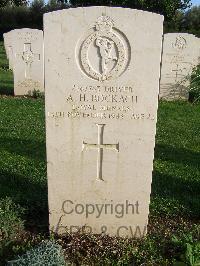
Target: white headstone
[[28, 63], [9, 48], [181, 52], [102, 67]]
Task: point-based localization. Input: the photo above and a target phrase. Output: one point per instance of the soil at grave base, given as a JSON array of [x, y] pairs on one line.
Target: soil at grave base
[[169, 226], [160, 227]]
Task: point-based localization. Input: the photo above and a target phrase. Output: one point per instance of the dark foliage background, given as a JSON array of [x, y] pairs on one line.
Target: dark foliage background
[[179, 16]]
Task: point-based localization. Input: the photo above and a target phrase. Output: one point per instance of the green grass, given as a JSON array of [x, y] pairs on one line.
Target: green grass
[[6, 76], [22, 151], [175, 198], [176, 175]]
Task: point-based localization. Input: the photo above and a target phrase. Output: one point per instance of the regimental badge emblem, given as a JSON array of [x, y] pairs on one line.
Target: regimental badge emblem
[[180, 43], [104, 53]]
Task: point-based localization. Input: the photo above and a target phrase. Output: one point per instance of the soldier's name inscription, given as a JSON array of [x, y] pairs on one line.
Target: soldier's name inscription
[[104, 102]]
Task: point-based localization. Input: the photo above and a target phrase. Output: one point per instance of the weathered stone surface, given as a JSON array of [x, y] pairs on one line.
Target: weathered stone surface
[[28, 62], [181, 52], [102, 68], [8, 47]]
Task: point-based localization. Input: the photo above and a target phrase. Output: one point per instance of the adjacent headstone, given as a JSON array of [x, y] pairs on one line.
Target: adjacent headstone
[[102, 67], [9, 48], [181, 52], [28, 63]]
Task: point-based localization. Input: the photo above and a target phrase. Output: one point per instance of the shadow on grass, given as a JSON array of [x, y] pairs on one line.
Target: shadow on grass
[[185, 191], [177, 155], [28, 194], [6, 88], [28, 148], [181, 188]]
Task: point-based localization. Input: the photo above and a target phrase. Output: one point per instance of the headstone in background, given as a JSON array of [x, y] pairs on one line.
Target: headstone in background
[[9, 48], [28, 64], [181, 52], [102, 68]]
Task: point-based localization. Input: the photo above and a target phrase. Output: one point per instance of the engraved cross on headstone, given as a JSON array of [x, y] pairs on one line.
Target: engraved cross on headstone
[[100, 146], [177, 71], [28, 57]]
